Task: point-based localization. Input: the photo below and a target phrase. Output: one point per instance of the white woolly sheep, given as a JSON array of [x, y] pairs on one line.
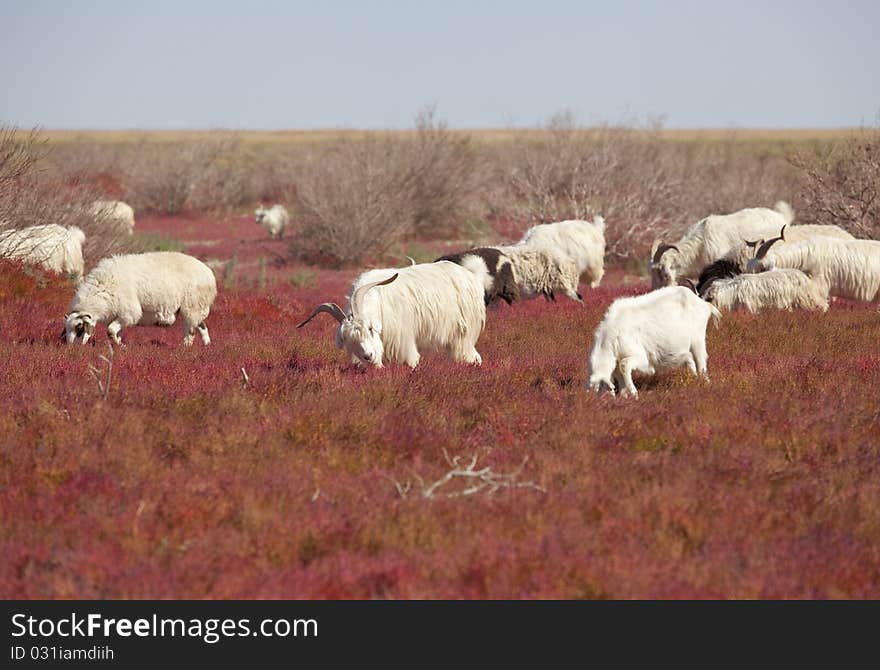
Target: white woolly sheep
[[53, 247], [274, 220], [776, 289], [397, 315], [493, 268], [149, 289], [581, 241], [665, 328], [710, 239], [114, 212], [542, 272], [842, 268]]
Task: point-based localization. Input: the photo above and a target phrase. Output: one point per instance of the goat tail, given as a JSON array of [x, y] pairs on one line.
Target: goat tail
[[786, 210]]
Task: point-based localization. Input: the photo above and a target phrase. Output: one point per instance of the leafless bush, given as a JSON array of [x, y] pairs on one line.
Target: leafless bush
[[840, 183], [31, 195], [360, 196], [626, 174]]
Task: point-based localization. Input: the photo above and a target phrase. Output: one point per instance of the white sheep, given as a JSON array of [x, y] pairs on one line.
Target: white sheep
[[53, 247], [581, 241], [553, 257], [712, 238], [842, 268], [274, 219], [395, 315], [149, 289], [776, 289], [665, 328], [114, 212]]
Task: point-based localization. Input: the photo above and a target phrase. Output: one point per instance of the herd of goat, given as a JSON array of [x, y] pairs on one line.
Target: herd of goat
[[753, 259]]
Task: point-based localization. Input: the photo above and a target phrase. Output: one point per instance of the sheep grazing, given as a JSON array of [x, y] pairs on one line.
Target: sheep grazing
[[53, 247], [581, 241], [842, 268], [274, 220], [712, 238], [114, 212], [397, 315], [776, 289], [665, 328], [149, 289], [493, 268], [554, 257]]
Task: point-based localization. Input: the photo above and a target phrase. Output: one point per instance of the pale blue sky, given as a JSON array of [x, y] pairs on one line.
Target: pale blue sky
[[297, 64]]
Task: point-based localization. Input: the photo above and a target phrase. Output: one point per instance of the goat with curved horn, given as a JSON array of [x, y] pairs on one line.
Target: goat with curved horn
[[357, 298], [662, 249], [331, 308], [765, 247]]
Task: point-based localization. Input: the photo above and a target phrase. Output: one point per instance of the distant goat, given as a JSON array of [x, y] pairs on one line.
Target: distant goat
[[665, 328], [274, 220], [114, 212], [53, 247]]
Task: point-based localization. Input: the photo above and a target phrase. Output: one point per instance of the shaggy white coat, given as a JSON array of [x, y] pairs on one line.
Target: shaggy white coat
[[53, 247], [143, 289], [843, 268], [274, 219], [429, 307], [743, 253], [776, 289], [115, 212], [581, 241], [665, 328], [712, 238], [540, 271]]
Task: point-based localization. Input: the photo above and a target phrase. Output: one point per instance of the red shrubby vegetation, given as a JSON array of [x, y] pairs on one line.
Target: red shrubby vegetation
[[189, 482]]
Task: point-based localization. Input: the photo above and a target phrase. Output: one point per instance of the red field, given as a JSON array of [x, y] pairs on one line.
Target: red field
[[309, 479]]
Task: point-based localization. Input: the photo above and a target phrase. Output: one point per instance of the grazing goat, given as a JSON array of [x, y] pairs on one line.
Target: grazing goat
[[842, 268], [53, 247], [114, 212], [493, 268], [665, 328], [274, 220], [776, 289], [396, 315], [149, 289], [712, 238]]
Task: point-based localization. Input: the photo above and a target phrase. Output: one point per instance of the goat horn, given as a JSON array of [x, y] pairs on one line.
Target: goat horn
[[662, 249], [331, 308], [412, 261], [765, 247], [357, 298], [753, 243]]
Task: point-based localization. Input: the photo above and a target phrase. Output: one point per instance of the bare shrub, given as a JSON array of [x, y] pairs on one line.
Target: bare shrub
[[30, 195], [360, 196], [840, 183], [626, 174]]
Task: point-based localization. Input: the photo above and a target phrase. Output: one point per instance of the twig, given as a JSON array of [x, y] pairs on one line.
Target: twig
[[103, 378]]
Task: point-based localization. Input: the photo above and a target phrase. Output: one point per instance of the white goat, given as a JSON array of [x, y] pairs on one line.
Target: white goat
[[274, 220], [53, 247], [710, 239], [581, 241], [776, 289], [143, 289], [396, 315], [842, 268], [745, 251], [665, 328], [114, 212], [556, 256]]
